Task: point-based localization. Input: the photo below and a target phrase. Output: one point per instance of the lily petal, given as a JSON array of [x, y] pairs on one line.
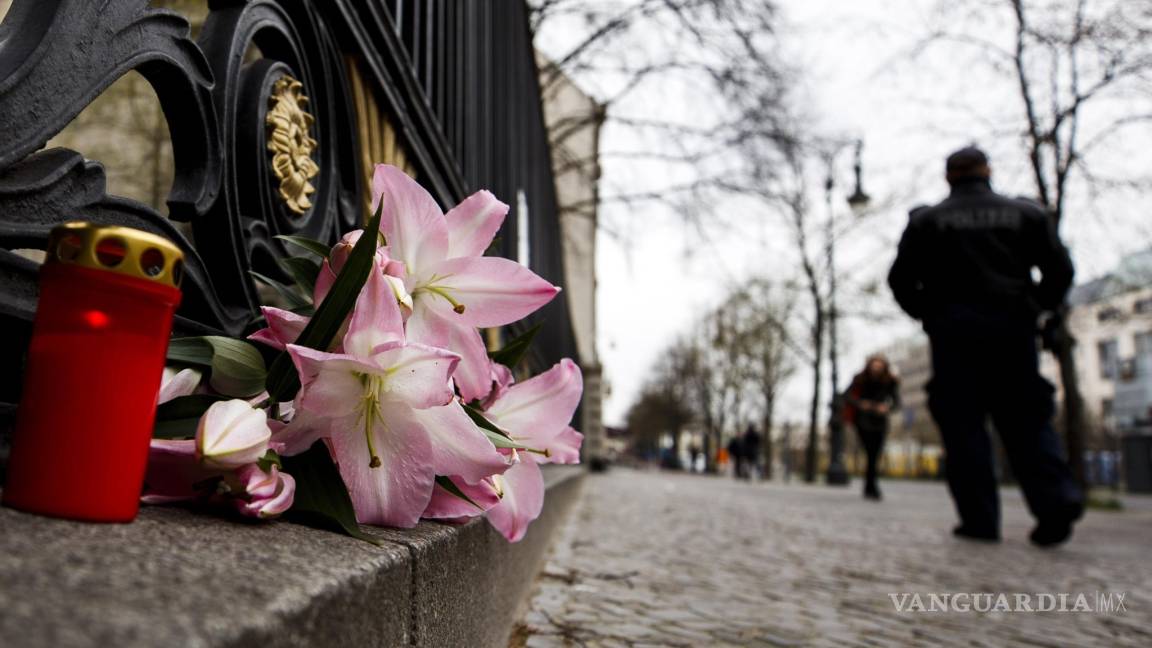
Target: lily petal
[[412, 222], [324, 281], [397, 491], [329, 383], [537, 411], [283, 327], [436, 326], [417, 374], [473, 223], [458, 446], [523, 488], [492, 291], [501, 379], [300, 433], [178, 383], [565, 447], [173, 472], [269, 494], [445, 505], [376, 317]]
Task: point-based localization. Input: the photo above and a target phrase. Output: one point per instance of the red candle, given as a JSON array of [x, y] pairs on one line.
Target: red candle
[[80, 447]]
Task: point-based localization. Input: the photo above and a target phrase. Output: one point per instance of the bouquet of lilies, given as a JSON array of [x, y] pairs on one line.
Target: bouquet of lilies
[[377, 401]]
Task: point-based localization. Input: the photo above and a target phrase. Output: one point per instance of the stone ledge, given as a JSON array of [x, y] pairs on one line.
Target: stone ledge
[[177, 578]]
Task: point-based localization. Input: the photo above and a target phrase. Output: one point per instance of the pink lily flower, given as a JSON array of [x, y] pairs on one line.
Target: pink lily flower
[[535, 413], [392, 423], [266, 494], [454, 288]]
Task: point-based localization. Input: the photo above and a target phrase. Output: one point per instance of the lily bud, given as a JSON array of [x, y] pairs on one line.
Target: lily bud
[[341, 251], [175, 384], [232, 434], [266, 494]]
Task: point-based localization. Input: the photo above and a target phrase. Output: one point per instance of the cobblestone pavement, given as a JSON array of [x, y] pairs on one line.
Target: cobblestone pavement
[[657, 559]]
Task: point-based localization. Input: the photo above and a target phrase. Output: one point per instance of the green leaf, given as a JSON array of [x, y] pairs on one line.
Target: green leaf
[[237, 367], [270, 459], [294, 298], [450, 486], [498, 437], [182, 428], [183, 407], [482, 422], [307, 244], [283, 381], [514, 351], [321, 498], [501, 441], [303, 270], [190, 350]]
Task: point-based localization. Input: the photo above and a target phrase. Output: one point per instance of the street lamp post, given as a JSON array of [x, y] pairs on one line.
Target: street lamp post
[[837, 475]]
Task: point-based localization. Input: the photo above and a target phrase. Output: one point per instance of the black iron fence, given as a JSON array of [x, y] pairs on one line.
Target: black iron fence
[[445, 88]]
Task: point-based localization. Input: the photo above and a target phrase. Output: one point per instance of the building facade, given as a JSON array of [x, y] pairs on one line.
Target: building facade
[[1111, 318], [573, 120]]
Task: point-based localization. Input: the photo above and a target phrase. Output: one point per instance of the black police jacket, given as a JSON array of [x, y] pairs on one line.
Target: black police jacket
[[974, 254]]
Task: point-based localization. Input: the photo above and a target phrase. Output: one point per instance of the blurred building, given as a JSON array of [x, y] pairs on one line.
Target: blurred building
[[573, 121], [1111, 318]]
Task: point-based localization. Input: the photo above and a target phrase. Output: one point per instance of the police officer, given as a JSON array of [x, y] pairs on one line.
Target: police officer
[[965, 269]]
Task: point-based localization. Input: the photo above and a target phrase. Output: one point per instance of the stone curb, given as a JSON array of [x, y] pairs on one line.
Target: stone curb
[[178, 578]]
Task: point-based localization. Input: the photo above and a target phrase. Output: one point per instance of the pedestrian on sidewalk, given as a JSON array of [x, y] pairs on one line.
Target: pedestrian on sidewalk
[[872, 395], [751, 447], [736, 452], [965, 270]]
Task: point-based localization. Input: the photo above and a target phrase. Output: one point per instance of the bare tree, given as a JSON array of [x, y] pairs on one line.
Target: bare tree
[[762, 343], [625, 48]]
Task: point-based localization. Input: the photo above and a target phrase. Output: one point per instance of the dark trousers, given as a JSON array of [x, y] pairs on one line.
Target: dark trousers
[[872, 438], [995, 375]]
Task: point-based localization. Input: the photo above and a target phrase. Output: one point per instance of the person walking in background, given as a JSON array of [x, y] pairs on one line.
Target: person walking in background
[[965, 270], [736, 452], [873, 394], [694, 455], [751, 448]]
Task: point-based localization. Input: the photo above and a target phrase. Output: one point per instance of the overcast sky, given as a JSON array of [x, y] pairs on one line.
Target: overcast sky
[[657, 274]]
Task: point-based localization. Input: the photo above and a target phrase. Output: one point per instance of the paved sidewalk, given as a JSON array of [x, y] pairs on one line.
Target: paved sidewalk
[[658, 559]]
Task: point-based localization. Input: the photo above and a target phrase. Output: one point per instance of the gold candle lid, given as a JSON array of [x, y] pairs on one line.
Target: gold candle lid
[[124, 250]]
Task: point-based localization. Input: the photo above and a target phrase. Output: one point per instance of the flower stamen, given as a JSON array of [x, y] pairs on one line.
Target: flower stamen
[[437, 290], [370, 411]]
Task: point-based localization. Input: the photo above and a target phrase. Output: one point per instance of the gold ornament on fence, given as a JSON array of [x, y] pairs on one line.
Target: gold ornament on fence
[[288, 126]]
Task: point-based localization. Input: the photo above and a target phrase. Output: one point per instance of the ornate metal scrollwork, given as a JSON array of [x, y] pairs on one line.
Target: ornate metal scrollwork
[[290, 143]]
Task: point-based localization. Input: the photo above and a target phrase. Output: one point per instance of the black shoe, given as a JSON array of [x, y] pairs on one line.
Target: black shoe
[[1051, 532], [873, 494], [970, 533]]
